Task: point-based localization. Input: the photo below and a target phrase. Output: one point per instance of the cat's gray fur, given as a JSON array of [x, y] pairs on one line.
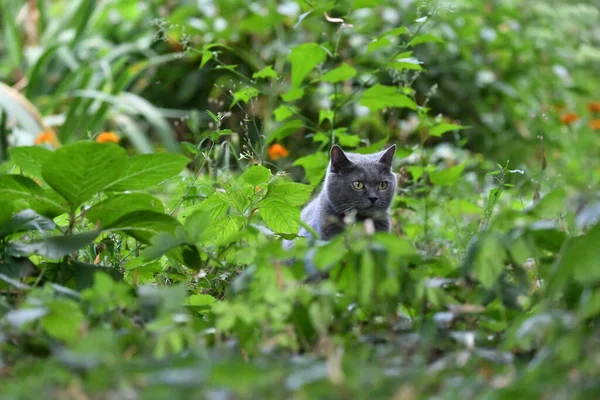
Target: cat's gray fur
[[338, 199]]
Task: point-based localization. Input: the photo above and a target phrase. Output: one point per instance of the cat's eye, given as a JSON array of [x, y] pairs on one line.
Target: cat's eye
[[382, 185], [358, 185]]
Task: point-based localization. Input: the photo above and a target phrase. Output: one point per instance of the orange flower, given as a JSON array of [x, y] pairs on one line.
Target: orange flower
[[277, 151], [108, 137], [594, 106], [47, 136], [568, 118], [595, 124]]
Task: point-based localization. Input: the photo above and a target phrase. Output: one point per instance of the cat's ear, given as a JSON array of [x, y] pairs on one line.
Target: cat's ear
[[339, 159], [388, 155]]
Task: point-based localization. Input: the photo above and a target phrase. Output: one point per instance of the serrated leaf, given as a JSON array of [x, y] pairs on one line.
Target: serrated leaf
[[280, 216], [378, 43], [144, 224], [285, 130], [53, 247], [81, 170], [108, 211], [314, 166], [17, 187], [284, 111], [146, 170], [440, 129], [30, 158], [425, 38], [379, 96], [339, 74], [293, 193], [304, 58], [257, 175], [447, 177], [293, 94], [27, 220], [266, 72], [244, 95]]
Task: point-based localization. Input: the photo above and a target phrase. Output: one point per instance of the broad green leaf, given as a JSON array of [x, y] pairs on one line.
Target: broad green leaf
[[425, 38], [293, 94], [266, 72], [244, 95], [439, 130], [401, 30], [280, 216], [367, 278], [161, 244], [53, 247], [447, 177], [27, 220], [196, 224], [108, 211], [410, 63], [581, 257], [146, 170], [339, 74], [489, 261], [63, 320], [314, 166], [326, 115], [295, 194], [376, 44], [201, 300], [30, 158], [284, 111], [285, 130], [379, 96], [257, 175], [81, 170], [304, 58], [144, 224], [17, 187]]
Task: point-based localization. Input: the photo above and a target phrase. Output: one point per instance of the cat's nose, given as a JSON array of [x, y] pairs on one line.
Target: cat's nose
[[373, 199]]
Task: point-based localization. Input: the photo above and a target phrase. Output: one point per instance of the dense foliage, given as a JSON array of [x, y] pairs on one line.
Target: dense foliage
[[155, 154]]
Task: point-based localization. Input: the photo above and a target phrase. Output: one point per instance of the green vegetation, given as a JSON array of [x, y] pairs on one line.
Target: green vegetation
[[155, 154]]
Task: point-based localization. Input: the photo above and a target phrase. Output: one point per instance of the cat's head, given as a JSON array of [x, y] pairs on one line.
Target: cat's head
[[361, 182]]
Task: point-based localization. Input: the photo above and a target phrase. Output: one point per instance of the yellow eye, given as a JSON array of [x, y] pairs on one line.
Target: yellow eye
[[382, 185], [358, 185]]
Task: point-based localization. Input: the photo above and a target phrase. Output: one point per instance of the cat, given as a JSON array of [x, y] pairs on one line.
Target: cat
[[359, 185]]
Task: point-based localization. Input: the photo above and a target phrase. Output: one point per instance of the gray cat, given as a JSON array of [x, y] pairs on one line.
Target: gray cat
[[359, 185]]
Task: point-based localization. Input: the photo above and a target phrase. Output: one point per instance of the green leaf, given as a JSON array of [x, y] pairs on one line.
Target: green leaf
[[81, 170], [304, 58], [280, 216], [367, 278], [108, 211], [196, 224], [266, 72], [314, 166], [257, 175], [401, 30], [489, 261], [144, 224], [378, 43], [160, 244], [339, 74], [379, 96], [27, 220], [439, 130], [12, 39], [201, 300], [293, 94], [284, 111], [410, 63], [244, 95], [30, 158], [293, 193], [326, 115], [447, 177], [425, 38], [581, 257], [53, 247], [64, 320], [146, 170], [285, 130], [17, 187]]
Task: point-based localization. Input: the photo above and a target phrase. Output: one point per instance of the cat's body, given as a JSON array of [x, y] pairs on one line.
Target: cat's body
[[356, 185]]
